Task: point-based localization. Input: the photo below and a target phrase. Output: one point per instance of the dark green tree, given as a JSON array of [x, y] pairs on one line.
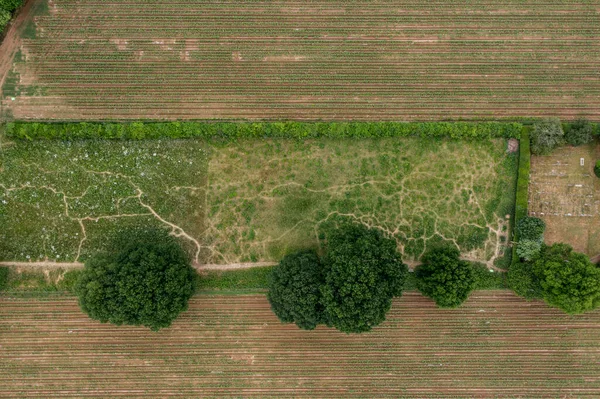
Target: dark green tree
[[363, 271], [597, 168], [569, 280], [295, 290], [580, 132], [523, 281], [445, 278], [146, 279], [546, 136], [531, 228]]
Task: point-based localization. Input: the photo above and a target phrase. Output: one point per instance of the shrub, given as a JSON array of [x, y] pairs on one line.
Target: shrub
[[531, 228], [522, 195], [569, 280], [523, 281], [597, 168], [546, 136], [580, 132], [363, 271], [232, 131], [528, 249], [445, 278], [4, 272], [295, 290], [147, 280]]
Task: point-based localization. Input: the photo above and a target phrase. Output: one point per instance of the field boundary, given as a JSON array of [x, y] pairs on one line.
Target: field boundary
[[522, 194]]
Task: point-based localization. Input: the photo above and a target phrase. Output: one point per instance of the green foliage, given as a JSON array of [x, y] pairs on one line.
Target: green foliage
[[4, 272], [531, 228], [487, 279], [144, 279], [523, 281], [597, 168], [445, 278], [546, 136], [68, 281], [255, 278], [528, 249], [261, 130], [6, 9], [363, 271], [295, 290], [522, 195], [569, 280], [580, 132]]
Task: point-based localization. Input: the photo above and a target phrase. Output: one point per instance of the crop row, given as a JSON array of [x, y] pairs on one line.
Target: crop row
[[496, 345]]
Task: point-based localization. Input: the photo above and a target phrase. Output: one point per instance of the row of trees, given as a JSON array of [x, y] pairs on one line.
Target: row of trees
[[351, 287], [145, 278], [562, 277], [549, 134]]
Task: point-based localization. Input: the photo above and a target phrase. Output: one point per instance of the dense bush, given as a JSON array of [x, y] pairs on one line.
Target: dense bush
[[3, 277], [580, 132], [546, 136], [569, 280], [363, 271], [230, 130], [445, 278], [295, 290], [530, 233], [146, 279], [597, 168], [528, 249], [522, 195], [6, 9], [523, 281], [531, 228]]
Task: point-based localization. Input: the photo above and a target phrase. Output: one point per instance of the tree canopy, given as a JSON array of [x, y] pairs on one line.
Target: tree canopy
[[363, 271], [295, 290], [568, 280], [523, 281], [546, 136], [580, 132], [145, 280], [445, 278]]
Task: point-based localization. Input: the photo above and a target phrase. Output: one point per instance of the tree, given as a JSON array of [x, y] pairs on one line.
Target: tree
[[546, 136], [146, 280], [580, 132], [569, 280], [363, 271], [295, 290], [528, 249], [531, 228], [597, 168], [445, 278], [523, 281]]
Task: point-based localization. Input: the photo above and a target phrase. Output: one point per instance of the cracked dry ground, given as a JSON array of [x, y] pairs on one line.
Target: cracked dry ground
[[253, 201]]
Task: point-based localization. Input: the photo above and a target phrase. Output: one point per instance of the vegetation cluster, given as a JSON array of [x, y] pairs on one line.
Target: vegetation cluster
[[7, 7], [260, 130]]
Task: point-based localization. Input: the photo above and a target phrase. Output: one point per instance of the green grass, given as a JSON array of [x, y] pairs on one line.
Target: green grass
[[270, 197], [233, 280], [61, 200], [33, 281]]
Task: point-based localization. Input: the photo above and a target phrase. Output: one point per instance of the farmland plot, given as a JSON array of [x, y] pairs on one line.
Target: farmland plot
[[496, 345], [364, 60]]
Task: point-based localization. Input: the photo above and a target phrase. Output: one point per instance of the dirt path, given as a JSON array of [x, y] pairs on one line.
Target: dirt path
[[11, 41], [79, 265]]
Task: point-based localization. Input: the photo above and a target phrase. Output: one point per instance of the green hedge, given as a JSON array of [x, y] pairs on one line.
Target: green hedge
[[232, 130], [522, 196]]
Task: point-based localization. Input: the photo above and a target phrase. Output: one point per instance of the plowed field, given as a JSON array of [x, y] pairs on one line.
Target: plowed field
[[496, 345], [322, 59]]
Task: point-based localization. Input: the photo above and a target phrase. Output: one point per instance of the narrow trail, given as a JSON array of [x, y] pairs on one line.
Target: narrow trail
[[79, 265]]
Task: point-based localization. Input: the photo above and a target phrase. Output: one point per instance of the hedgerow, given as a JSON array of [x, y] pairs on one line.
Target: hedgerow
[[522, 197], [232, 130]]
